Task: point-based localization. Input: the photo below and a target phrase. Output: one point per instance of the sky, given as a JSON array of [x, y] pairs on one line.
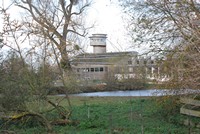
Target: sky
[[108, 18]]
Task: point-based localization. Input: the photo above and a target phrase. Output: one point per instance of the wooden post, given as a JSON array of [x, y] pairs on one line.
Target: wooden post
[[88, 112]]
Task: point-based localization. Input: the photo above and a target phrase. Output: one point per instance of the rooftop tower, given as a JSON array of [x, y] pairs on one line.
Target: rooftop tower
[[98, 41]]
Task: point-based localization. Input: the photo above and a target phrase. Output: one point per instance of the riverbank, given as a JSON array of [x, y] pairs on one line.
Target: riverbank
[[101, 87]]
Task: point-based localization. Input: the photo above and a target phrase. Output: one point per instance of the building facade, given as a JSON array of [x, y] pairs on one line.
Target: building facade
[[101, 65]]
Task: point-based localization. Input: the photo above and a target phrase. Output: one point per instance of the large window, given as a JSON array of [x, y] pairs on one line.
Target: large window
[[92, 69], [96, 69], [101, 69]]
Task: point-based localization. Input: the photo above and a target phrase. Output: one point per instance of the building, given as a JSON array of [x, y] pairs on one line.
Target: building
[[101, 65]]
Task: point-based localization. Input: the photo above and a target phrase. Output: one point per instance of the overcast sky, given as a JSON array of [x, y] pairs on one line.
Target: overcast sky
[[109, 20]]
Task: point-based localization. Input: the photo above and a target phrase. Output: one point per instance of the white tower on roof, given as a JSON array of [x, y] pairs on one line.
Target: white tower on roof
[[98, 41]]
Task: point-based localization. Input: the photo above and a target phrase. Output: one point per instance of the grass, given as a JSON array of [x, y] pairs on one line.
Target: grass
[[120, 115]]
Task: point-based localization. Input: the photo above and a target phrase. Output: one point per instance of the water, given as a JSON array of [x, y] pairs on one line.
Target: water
[[119, 93], [150, 92]]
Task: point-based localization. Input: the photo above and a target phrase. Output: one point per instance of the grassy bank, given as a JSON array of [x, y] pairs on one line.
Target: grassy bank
[[120, 115]]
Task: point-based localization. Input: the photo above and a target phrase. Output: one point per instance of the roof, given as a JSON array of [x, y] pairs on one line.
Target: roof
[[102, 58]]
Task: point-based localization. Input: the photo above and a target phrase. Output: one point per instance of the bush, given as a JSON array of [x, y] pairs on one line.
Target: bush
[[13, 97], [127, 84]]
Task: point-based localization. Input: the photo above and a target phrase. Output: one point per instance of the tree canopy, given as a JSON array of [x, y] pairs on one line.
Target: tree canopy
[[170, 28], [162, 24], [58, 21]]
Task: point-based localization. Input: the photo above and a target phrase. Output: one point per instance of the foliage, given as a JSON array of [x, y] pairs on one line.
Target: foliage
[[50, 30], [42, 79], [23, 94], [21, 84], [126, 84], [168, 106], [13, 89]]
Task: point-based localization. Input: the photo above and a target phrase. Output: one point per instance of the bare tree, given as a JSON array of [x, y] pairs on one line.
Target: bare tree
[[27, 75], [57, 21], [49, 26], [161, 24], [170, 28]]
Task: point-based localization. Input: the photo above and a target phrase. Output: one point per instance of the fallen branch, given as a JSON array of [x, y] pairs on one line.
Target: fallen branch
[[40, 117], [61, 110], [7, 132]]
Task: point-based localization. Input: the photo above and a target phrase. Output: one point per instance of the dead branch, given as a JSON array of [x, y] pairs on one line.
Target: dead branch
[[61, 110], [38, 116]]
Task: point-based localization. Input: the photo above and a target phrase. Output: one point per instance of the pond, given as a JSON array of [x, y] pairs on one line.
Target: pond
[[149, 92]]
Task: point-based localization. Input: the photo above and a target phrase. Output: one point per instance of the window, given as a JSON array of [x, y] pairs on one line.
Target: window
[[85, 69], [129, 62], [92, 69], [130, 69], [101, 69], [96, 69], [138, 62]]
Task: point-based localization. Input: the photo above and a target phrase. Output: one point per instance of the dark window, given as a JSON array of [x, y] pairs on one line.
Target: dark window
[[138, 62], [96, 69], [129, 62], [152, 62], [92, 69], [101, 69]]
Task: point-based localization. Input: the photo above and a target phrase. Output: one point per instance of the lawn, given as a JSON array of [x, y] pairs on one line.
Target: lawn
[[120, 115]]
